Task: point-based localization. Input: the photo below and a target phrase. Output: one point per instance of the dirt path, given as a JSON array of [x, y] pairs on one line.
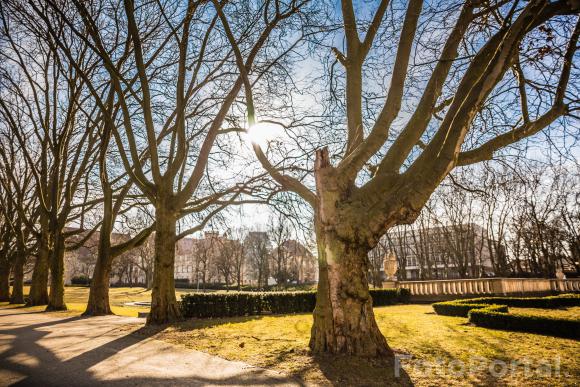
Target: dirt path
[[38, 349]]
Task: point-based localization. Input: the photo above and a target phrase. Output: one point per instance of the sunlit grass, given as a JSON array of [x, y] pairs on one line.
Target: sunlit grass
[[76, 298], [413, 331], [281, 342]]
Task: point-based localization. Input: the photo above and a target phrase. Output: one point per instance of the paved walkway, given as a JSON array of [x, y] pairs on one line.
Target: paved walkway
[[38, 349]]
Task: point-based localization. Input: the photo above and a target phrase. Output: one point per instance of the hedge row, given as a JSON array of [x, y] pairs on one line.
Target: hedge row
[[492, 312], [453, 308], [553, 326], [204, 305], [462, 307]]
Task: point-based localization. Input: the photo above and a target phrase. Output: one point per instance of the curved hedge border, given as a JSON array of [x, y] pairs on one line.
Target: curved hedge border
[[453, 308], [552, 326], [208, 305], [492, 312], [461, 308]]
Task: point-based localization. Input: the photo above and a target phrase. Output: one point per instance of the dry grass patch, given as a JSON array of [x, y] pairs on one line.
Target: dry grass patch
[[414, 331]]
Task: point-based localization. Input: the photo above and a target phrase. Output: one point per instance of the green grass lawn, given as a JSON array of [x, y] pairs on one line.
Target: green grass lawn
[[435, 347]]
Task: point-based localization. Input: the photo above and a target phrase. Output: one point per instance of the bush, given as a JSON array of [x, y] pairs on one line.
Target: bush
[[204, 305], [525, 323], [82, 280], [383, 297], [462, 307], [550, 302], [454, 308], [492, 312]]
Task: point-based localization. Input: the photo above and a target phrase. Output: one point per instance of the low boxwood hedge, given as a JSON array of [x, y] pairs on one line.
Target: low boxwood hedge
[[462, 307], [453, 308], [552, 326], [492, 312], [208, 305]]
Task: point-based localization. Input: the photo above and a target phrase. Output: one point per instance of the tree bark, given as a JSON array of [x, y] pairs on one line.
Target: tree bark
[[344, 321], [98, 304], [56, 295], [164, 306], [39, 287], [4, 279], [17, 296]]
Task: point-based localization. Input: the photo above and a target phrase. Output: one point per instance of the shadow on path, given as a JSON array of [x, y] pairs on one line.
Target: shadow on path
[[47, 353]]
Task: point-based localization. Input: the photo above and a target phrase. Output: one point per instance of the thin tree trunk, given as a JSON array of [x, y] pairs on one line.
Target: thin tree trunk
[[56, 295], [4, 279], [98, 304], [344, 321], [39, 287], [17, 296], [164, 307]]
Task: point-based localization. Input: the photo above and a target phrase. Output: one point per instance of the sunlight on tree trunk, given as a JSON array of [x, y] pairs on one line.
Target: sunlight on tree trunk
[[164, 307], [17, 296], [344, 321], [56, 295], [39, 286]]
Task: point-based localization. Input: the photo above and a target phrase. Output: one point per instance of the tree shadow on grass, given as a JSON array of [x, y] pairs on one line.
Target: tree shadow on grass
[[202, 323], [342, 370]]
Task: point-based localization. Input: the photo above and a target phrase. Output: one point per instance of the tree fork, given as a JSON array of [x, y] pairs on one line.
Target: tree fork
[[344, 321]]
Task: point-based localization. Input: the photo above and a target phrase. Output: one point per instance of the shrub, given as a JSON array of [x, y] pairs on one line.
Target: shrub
[[82, 280], [204, 305], [492, 312], [462, 307], [525, 323], [530, 302], [459, 309]]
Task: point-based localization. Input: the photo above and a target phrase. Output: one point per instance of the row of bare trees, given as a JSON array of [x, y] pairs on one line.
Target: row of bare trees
[[114, 107], [522, 222], [237, 257]]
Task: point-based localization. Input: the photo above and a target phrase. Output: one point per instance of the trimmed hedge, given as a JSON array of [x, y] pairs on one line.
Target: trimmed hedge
[[462, 307], [492, 312], [206, 305], [82, 280], [552, 326], [453, 308]]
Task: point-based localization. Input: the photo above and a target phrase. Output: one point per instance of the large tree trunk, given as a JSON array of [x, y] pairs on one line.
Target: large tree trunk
[[17, 296], [164, 307], [39, 287], [56, 295], [344, 321]]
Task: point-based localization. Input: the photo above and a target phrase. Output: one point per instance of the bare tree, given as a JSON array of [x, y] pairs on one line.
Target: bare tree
[[380, 175], [19, 210], [183, 86], [257, 249], [49, 114], [279, 233]]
